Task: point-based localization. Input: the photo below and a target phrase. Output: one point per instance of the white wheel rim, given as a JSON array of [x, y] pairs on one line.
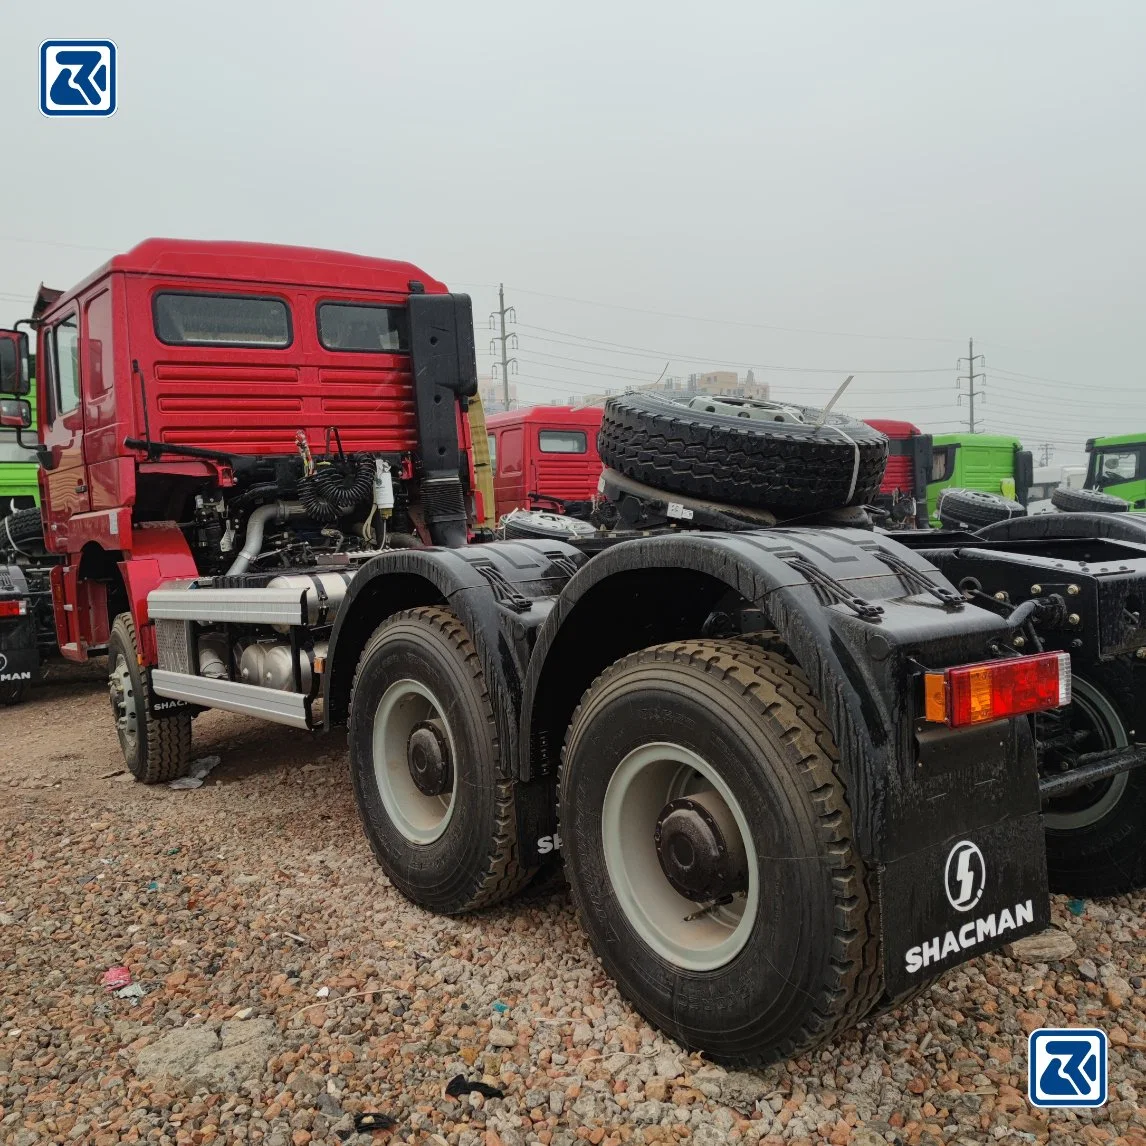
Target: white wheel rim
[[123, 703], [646, 779], [419, 817], [1110, 729]]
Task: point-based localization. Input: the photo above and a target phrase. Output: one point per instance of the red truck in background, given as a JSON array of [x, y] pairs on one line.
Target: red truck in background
[[545, 457], [903, 492]]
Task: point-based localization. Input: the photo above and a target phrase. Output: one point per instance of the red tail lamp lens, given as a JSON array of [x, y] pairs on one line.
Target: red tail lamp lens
[[974, 694]]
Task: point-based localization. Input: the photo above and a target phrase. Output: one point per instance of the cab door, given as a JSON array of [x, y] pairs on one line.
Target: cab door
[[64, 477], [1121, 471], [509, 482]]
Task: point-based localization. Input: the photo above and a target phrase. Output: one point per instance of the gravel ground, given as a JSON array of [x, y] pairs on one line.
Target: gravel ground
[[289, 988]]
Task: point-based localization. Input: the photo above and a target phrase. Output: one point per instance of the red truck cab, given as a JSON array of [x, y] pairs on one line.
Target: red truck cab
[[177, 367], [907, 474], [545, 457]]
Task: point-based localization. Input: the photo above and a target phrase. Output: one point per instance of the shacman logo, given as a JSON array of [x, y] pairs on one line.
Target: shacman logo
[[965, 876], [964, 880], [1066, 1067], [77, 77]]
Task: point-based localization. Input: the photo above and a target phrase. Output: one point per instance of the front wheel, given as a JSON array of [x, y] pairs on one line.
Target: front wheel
[[156, 748], [425, 762], [708, 844]]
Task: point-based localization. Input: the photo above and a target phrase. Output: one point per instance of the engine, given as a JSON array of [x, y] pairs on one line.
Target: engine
[[297, 512], [301, 524]]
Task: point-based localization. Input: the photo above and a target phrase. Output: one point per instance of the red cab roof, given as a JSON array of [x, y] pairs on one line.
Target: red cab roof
[[579, 416], [264, 263], [893, 429]]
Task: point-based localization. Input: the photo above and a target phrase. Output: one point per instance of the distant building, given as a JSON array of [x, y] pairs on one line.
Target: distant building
[[717, 383], [492, 394]]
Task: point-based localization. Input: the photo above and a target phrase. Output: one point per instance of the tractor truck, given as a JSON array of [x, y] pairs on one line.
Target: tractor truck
[[794, 767]]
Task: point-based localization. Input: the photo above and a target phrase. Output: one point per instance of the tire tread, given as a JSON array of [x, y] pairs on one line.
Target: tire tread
[[166, 743], [777, 688], [505, 874]]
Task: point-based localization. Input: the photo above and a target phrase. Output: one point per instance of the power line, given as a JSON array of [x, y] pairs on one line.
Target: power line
[[731, 321], [586, 362], [586, 343], [1062, 381], [55, 243]]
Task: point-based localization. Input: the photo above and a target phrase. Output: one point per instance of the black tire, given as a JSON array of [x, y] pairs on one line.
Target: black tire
[[974, 508], [809, 964], [741, 461], [1104, 851], [1087, 501], [474, 861], [13, 692], [22, 532], [157, 749], [543, 526]]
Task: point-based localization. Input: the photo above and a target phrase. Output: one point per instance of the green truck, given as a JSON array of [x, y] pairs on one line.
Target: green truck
[[1118, 467], [992, 463], [19, 486]]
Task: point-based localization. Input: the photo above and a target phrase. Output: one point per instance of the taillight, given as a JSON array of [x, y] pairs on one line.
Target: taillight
[[973, 694], [13, 608]]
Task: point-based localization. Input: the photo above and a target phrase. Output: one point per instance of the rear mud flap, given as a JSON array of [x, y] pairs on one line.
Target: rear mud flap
[[960, 898], [19, 656]]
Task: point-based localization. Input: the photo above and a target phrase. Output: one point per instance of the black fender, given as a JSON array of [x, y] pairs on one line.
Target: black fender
[[862, 615], [1129, 527], [499, 592], [860, 655]]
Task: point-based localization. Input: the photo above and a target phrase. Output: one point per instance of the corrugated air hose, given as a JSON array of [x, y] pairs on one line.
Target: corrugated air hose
[[337, 488]]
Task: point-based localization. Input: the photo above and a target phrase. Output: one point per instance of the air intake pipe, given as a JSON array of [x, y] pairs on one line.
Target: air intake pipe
[[445, 377], [275, 511]]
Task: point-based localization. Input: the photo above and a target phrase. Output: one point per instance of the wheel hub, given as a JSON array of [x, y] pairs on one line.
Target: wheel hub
[[428, 758], [123, 701], [700, 849]]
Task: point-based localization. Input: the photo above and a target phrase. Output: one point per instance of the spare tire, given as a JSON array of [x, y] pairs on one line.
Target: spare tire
[[22, 532], [1087, 501], [766, 455], [961, 508], [542, 526]]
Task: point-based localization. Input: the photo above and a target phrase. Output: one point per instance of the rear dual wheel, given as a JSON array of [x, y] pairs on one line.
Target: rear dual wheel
[[1096, 835], [707, 841]]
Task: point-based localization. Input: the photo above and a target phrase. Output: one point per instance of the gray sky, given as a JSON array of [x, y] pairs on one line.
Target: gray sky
[[828, 186]]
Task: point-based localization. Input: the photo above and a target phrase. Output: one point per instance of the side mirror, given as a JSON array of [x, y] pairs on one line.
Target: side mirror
[[1024, 474], [15, 413], [15, 369]]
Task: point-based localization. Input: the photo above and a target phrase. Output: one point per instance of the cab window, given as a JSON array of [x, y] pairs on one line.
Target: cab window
[[511, 452], [64, 360], [362, 327], [492, 439], [1117, 466], [184, 318], [562, 442], [942, 462]]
